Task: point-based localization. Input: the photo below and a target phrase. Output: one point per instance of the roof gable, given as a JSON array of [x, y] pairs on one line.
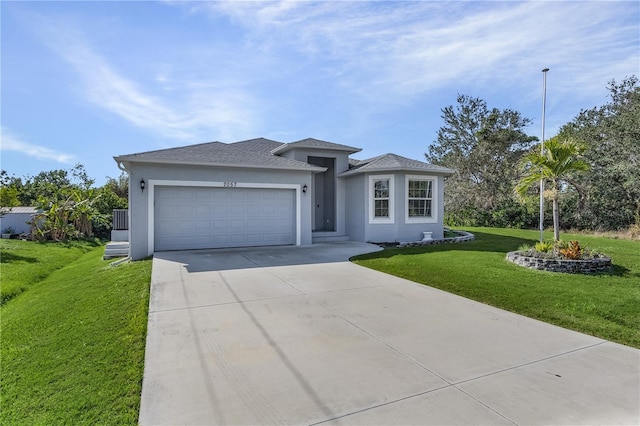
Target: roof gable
[[393, 162], [315, 144]]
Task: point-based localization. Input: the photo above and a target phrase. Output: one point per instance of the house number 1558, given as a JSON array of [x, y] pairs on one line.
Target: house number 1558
[[230, 184]]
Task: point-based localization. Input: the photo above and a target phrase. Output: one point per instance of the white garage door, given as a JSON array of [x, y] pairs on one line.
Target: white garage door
[[196, 217]]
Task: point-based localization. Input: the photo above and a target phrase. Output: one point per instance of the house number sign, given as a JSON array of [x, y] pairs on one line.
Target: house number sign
[[230, 184]]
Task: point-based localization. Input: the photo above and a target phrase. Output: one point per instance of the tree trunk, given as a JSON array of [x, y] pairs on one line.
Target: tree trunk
[[556, 219]]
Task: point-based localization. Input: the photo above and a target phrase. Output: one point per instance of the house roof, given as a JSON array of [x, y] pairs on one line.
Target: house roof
[[315, 144], [253, 153], [20, 209], [393, 162]]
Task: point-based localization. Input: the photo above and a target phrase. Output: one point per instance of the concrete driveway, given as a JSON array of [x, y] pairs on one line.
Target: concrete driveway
[[299, 335]]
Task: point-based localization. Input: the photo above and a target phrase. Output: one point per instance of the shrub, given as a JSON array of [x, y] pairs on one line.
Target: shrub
[[544, 246], [525, 248], [571, 251]]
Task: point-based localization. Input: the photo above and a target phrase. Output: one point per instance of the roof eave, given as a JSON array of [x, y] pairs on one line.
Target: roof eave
[[439, 172], [125, 159], [288, 147]]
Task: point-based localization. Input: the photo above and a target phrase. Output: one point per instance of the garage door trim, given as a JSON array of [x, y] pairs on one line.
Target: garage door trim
[[151, 200]]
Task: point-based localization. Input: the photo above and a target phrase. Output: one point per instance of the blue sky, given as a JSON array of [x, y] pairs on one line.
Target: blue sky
[[85, 81]]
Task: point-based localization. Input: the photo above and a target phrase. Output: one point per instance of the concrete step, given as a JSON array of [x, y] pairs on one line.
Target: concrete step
[[116, 249], [328, 238]]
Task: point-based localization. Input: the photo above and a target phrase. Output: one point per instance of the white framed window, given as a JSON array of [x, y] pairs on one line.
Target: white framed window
[[381, 199], [420, 199]]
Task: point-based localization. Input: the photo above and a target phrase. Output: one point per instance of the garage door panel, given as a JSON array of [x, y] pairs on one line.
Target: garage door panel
[[188, 218], [237, 224], [220, 209], [185, 225], [253, 209], [184, 210], [170, 226], [282, 223], [221, 224], [203, 225], [255, 238], [165, 211], [254, 224], [236, 209], [187, 194], [202, 194], [202, 209], [167, 194], [204, 240]]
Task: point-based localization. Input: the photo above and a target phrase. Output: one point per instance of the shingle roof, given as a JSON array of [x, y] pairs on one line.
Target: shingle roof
[[315, 144], [393, 162], [250, 153]]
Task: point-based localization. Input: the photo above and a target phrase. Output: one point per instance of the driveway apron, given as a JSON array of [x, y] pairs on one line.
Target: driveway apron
[[299, 335]]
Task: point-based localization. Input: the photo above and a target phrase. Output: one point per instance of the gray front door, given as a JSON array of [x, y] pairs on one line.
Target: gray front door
[[324, 195]]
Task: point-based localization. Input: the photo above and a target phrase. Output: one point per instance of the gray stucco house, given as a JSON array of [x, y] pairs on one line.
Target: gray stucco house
[[261, 192]]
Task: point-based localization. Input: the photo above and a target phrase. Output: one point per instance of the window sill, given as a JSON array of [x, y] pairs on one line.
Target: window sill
[[421, 220], [381, 221]]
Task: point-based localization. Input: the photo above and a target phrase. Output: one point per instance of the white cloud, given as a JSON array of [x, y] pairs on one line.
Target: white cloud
[[11, 142], [397, 50], [371, 56], [176, 112]]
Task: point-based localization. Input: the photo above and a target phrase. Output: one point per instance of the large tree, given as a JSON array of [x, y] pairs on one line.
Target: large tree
[[119, 186], [610, 193], [556, 166], [484, 146]]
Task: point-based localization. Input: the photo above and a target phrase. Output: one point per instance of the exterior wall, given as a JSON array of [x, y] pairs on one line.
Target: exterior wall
[[139, 200], [341, 165], [302, 154], [17, 221], [356, 207], [360, 228]]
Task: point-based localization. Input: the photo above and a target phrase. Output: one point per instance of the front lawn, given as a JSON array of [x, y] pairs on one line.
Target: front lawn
[[73, 344], [23, 263], [604, 305]]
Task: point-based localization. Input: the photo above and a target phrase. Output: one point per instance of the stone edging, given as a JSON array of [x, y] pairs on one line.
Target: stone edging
[[466, 236], [591, 266]]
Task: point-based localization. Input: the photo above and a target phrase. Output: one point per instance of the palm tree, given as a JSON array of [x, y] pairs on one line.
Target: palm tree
[[559, 161]]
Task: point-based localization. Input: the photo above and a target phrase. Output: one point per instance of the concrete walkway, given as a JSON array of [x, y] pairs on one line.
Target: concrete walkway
[[299, 335]]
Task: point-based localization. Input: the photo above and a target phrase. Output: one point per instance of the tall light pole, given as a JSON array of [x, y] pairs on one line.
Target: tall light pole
[[544, 104]]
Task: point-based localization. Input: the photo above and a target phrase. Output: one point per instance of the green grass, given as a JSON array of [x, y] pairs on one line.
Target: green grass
[[73, 344], [603, 305], [23, 263]]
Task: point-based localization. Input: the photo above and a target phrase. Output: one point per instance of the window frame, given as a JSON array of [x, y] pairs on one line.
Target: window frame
[[434, 199], [372, 200]]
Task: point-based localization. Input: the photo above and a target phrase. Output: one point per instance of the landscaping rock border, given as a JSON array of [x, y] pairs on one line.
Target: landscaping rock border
[[462, 238], [590, 266]]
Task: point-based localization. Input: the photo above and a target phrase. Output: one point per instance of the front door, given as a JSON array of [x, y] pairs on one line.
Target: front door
[[324, 195]]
